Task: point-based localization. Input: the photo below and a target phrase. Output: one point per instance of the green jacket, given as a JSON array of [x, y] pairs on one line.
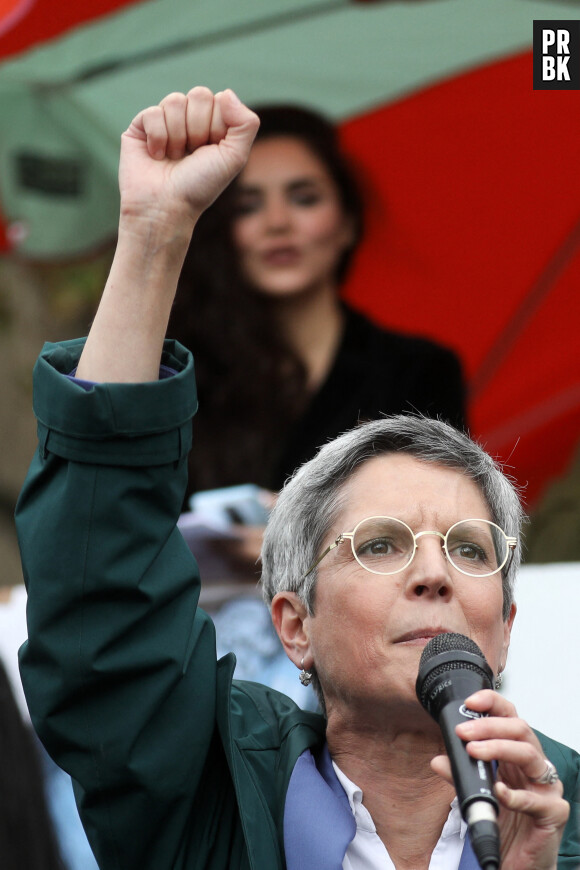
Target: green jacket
[[175, 766]]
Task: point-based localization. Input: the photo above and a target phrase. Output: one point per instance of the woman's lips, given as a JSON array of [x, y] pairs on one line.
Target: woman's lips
[[420, 636], [286, 256]]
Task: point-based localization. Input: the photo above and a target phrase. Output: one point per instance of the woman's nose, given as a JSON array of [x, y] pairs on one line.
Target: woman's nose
[[276, 214], [429, 572]]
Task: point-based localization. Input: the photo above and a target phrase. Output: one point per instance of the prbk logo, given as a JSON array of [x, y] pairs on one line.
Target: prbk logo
[[556, 55]]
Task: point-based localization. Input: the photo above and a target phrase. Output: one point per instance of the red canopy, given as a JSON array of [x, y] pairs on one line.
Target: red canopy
[[478, 244]]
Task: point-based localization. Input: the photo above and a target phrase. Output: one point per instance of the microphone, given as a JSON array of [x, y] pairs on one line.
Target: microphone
[[452, 667]]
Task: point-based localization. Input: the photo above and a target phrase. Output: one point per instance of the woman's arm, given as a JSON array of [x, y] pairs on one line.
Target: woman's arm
[[119, 669], [176, 158]]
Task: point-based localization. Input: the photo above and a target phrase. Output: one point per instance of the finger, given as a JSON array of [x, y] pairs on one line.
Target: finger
[[150, 124], [199, 111], [241, 126], [219, 127], [488, 727], [490, 702], [441, 765], [551, 810], [174, 110], [495, 734], [521, 754], [519, 759]]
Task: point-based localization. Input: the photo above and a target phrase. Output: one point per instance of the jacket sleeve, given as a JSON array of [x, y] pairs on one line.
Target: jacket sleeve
[[567, 762], [115, 643]]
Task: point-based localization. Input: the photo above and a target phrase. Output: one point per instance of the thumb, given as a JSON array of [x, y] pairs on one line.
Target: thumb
[[442, 767]]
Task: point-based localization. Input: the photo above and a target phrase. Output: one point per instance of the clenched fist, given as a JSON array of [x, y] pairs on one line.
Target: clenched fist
[[177, 157]]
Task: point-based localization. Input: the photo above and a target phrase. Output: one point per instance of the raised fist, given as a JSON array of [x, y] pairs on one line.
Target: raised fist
[[177, 157]]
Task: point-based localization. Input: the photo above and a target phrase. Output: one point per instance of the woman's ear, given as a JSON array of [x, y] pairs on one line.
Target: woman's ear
[[507, 631], [290, 618]]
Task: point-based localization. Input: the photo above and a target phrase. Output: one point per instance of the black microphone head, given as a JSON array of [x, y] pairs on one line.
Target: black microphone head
[[449, 641], [447, 659]]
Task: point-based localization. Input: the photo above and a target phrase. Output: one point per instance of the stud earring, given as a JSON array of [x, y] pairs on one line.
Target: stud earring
[[305, 677]]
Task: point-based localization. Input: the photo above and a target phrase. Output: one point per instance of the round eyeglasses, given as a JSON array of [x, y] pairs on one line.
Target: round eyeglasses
[[385, 545]]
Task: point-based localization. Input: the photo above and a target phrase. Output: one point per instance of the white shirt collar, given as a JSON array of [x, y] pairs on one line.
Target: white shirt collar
[[453, 826]]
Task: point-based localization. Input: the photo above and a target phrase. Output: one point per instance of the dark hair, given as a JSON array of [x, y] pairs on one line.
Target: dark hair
[[252, 386], [27, 839]]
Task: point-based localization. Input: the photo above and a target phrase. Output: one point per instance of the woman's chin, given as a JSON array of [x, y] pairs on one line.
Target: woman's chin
[[288, 287]]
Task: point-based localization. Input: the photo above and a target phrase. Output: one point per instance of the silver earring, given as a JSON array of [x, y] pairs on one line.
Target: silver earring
[[305, 677], [498, 681]]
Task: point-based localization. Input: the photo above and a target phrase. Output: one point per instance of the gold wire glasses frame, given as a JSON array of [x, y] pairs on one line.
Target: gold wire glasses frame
[[468, 539]]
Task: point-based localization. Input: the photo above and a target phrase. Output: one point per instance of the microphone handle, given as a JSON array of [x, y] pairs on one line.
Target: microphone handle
[[473, 780]]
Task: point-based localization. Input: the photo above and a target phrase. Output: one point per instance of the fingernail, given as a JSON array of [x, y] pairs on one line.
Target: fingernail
[[234, 97]]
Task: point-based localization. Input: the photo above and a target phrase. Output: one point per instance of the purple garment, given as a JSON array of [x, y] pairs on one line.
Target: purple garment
[[318, 821], [164, 372]]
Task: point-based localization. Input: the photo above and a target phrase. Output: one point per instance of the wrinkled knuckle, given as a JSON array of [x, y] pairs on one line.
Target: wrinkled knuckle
[[152, 115], [201, 92], [175, 98], [523, 731], [510, 710], [149, 111], [530, 754]]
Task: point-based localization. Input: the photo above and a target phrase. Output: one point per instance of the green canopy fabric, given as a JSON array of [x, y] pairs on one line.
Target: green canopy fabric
[[64, 104]]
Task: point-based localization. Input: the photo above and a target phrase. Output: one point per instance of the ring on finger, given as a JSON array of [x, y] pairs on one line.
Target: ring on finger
[[549, 776]]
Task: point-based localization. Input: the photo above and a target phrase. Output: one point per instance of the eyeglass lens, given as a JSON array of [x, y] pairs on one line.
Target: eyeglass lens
[[385, 545]]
